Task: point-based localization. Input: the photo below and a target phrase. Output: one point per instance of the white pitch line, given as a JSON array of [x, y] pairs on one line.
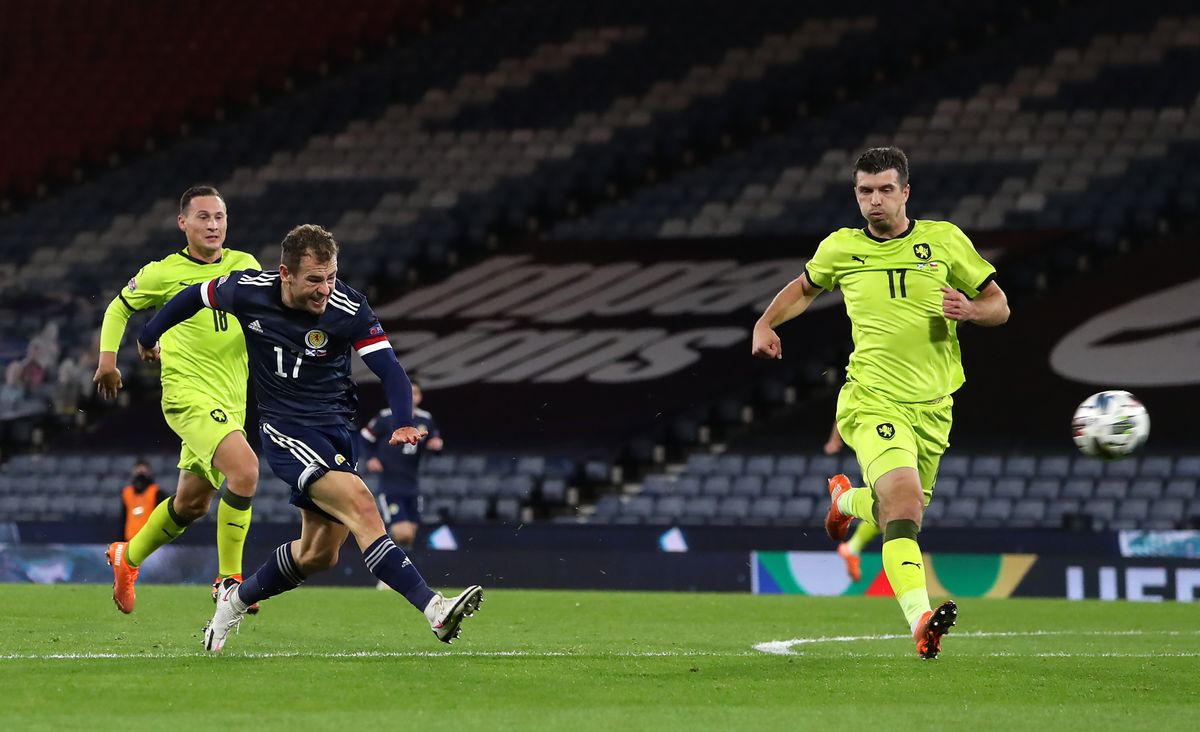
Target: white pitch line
[[373, 654], [785, 647]]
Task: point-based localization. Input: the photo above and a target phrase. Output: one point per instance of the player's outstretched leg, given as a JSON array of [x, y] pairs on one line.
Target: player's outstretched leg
[[932, 626], [124, 576], [446, 614]]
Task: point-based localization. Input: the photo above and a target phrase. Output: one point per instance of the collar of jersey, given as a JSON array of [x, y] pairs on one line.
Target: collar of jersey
[[912, 223], [190, 258]]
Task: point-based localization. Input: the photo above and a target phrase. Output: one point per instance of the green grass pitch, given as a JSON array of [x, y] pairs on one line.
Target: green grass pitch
[[324, 658]]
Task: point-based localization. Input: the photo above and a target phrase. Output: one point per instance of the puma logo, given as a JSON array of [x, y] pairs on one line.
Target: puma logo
[[236, 526], [912, 563], [861, 260]]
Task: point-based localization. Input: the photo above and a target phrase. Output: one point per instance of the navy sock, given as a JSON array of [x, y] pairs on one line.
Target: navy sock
[[389, 563], [276, 576]]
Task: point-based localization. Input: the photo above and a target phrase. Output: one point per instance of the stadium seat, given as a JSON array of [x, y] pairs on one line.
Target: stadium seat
[[813, 487], [1156, 467], [1054, 466], [765, 510], [1127, 468], [796, 510], [1187, 467], [947, 487], [472, 510], [1112, 488], [780, 486], [760, 465], [1028, 513], [1078, 489], [749, 486], [731, 465], [958, 466], [961, 511], [716, 485], [824, 466], [1011, 488], [791, 465], [987, 465], [732, 510], [1182, 488], [701, 463], [1148, 488], [1085, 467], [976, 487], [1020, 467]]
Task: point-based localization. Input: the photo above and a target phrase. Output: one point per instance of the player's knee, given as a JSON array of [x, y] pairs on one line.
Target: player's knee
[[906, 505], [243, 479]]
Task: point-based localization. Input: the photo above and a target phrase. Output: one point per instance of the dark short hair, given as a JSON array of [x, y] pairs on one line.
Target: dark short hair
[[194, 192], [307, 239], [878, 159], [415, 382]]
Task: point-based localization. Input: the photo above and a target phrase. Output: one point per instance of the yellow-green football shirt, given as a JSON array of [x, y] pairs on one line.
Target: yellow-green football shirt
[[206, 353], [903, 346]]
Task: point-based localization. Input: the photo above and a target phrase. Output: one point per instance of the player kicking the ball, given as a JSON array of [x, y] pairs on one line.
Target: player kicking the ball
[[907, 285], [300, 325]]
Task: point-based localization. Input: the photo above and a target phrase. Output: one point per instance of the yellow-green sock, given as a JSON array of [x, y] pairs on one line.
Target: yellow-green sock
[[163, 527], [859, 503], [864, 533], [905, 568], [233, 521]]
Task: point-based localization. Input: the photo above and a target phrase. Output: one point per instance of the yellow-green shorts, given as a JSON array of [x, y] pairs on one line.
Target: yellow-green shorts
[[202, 426], [886, 434]]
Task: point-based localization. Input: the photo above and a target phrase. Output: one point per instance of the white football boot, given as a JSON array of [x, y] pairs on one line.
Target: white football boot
[[226, 618], [445, 615]]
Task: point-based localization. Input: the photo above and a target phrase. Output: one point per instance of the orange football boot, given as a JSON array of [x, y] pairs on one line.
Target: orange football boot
[[932, 626], [853, 561], [124, 576], [837, 524]]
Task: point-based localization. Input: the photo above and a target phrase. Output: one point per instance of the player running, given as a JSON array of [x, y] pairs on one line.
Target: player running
[[907, 285], [203, 396], [301, 325]]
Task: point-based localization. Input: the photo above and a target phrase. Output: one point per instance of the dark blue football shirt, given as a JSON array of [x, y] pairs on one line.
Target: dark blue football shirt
[[299, 362]]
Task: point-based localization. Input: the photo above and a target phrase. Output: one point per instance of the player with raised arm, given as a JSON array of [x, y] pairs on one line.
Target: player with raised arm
[[301, 325], [907, 285], [203, 396]]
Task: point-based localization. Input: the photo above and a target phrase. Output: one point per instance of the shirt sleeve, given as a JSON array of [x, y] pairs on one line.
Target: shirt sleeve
[[820, 270], [145, 290], [221, 293], [368, 336], [969, 272], [433, 428]]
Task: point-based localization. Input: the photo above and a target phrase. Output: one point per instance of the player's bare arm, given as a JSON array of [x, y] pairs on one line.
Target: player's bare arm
[[791, 301], [989, 309]]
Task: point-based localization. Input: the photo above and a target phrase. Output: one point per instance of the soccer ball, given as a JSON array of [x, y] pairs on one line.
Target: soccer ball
[[1110, 425]]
